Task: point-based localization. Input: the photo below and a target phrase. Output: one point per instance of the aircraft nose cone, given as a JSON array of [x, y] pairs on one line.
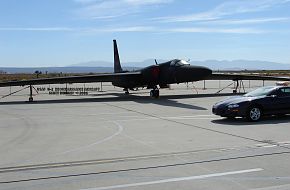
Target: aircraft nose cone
[[206, 70], [195, 73], [201, 71]]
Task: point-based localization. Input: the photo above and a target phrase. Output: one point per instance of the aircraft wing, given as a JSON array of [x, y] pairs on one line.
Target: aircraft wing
[[235, 77], [110, 77]]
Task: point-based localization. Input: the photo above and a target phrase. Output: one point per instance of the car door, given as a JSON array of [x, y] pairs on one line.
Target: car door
[[283, 100]]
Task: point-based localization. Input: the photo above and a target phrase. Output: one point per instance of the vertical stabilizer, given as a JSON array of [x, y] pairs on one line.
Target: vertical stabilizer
[[117, 65]]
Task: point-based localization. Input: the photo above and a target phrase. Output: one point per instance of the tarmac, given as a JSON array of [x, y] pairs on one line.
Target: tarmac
[[108, 140]]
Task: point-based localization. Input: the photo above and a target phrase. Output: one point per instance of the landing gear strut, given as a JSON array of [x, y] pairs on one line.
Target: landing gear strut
[[126, 91], [154, 93], [30, 99], [239, 85]]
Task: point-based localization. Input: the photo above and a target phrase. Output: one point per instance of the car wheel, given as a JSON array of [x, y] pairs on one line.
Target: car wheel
[[254, 113]]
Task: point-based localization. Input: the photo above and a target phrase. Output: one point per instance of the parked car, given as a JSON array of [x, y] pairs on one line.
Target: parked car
[[270, 100]]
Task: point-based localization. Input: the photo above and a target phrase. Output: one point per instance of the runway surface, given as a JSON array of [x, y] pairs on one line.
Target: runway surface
[[107, 140]]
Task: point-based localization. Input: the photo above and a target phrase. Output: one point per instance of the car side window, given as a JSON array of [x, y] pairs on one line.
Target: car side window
[[274, 92], [284, 92]]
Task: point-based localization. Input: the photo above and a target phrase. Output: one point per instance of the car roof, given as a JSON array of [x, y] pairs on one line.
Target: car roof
[[278, 87], [274, 87]]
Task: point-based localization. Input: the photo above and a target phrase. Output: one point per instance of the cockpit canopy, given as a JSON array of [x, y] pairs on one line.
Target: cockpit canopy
[[178, 62]]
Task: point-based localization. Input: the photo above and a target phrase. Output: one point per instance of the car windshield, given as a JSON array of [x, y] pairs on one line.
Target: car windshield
[[261, 91]]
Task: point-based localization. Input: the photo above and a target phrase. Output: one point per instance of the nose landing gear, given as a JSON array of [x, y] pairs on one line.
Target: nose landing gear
[[154, 93], [126, 90]]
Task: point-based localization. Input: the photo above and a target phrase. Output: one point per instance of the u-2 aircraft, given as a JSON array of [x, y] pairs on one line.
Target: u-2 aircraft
[[153, 77]]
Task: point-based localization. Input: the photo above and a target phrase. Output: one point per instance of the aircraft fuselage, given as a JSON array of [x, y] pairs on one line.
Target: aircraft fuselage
[[170, 72]]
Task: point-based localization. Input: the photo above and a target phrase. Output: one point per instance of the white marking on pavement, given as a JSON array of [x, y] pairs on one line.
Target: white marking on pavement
[[137, 119], [269, 146], [263, 145], [284, 143], [188, 116], [109, 113], [120, 129], [176, 179], [280, 187], [196, 117]]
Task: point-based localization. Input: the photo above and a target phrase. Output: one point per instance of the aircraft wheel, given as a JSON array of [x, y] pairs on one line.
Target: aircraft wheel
[[126, 92], [30, 99], [154, 93], [151, 93]]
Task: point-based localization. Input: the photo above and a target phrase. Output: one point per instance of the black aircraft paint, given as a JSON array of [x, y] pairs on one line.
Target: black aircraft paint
[[151, 77], [174, 71]]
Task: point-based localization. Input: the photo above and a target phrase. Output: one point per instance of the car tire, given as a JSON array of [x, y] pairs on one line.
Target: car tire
[[254, 113]]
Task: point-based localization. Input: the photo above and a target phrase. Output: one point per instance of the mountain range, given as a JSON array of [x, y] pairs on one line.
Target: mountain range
[[105, 67], [212, 64]]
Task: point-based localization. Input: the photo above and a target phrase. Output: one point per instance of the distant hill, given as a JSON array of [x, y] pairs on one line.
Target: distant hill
[[141, 64], [62, 69], [107, 67], [212, 64], [242, 65], [56, 69], [93, 64]]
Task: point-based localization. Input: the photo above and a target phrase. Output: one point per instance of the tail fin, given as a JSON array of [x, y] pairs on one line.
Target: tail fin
[[117, 65]]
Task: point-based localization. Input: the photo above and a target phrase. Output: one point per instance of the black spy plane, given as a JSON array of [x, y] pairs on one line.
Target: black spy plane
[[152, 77]]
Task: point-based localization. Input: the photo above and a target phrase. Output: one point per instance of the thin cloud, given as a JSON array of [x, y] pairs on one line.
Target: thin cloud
[[216, 30], [247, 21], [147, 2], [41, 29], [121, 29], [82, 30], [102, 9], [225, 9], [177, 30], [132, 2], [86, 1], [137, 29]]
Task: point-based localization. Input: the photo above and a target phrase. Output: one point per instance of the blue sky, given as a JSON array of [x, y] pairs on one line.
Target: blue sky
[[65, 32]]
